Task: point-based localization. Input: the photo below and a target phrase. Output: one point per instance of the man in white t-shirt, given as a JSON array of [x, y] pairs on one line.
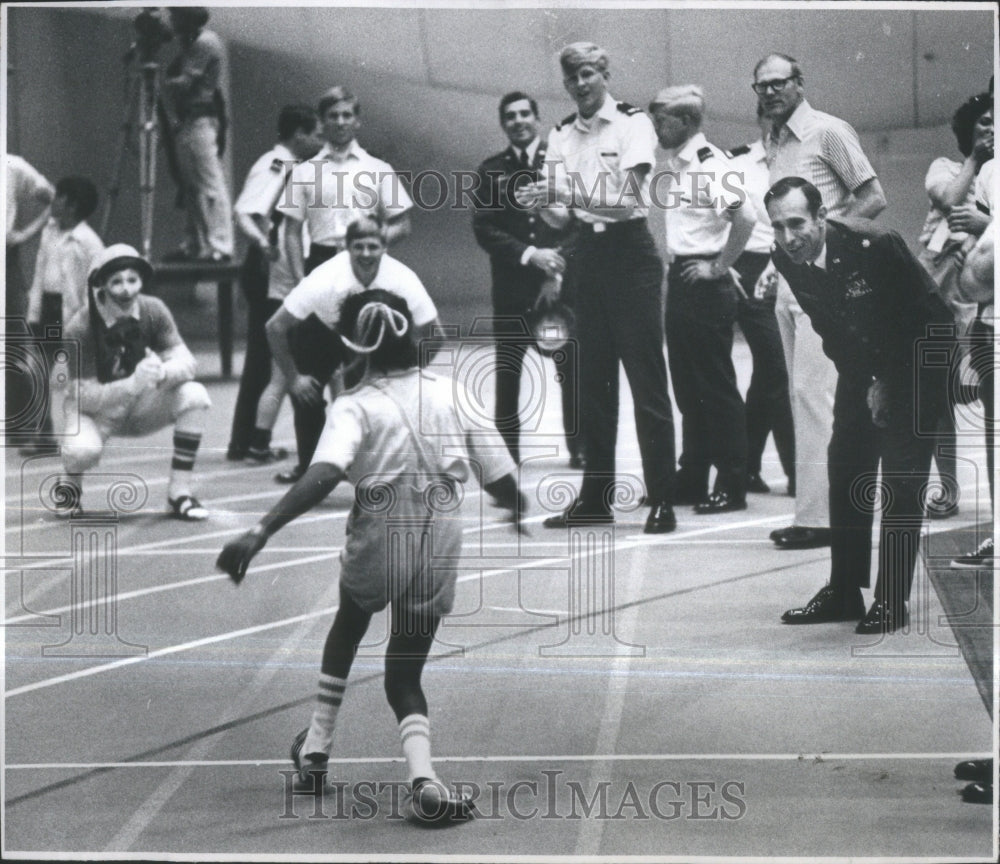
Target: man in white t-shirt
[[302, 333]]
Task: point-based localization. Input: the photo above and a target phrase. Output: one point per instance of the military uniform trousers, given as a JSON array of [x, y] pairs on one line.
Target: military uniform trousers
[[257, 364], [619, 318], [856, 448], [699, 328]]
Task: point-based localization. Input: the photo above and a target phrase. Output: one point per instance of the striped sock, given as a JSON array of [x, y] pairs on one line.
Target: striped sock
[[415, 734], [328, 699], [185, 449]]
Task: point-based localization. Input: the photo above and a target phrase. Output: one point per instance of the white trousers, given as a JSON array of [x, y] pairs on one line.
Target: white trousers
[[813, 382]]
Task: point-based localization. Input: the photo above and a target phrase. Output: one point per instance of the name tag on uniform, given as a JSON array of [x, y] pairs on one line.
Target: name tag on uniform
[[856, 287], [611, 153]]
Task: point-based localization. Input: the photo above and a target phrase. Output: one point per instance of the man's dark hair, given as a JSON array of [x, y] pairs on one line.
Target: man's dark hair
[[295, 117], [786, 184], [963, 124], [81, 193], [796, 69], [517, 96], [188, 19], [393, 351]]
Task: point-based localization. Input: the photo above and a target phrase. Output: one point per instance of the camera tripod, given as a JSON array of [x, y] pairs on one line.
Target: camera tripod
[[142, 94]]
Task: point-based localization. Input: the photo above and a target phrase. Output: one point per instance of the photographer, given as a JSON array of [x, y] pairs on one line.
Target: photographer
[[198, 109]]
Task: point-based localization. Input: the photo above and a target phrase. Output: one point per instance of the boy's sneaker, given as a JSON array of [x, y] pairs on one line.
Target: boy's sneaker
[[267, 456], [311, 768], [432, 803], [981, 559]]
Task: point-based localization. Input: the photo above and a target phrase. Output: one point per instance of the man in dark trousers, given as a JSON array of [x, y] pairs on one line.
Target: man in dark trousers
[[599, 165], [528, 259], [872, 303]]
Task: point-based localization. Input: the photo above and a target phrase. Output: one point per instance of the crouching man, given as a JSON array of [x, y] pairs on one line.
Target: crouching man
[[135, 376]]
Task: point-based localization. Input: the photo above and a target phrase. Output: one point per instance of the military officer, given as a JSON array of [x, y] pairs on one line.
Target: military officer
[[871, 302], [528, 261], [599, 164]]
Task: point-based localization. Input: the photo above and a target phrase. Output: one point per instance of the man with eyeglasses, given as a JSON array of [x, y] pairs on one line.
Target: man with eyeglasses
[[826, 151]]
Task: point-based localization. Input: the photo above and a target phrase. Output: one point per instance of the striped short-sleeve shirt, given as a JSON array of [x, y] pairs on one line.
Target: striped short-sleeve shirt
[[823, 149]]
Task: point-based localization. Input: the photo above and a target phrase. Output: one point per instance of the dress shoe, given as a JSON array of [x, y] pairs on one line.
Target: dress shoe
[[882, 618], [756, 484], [778, 532], [978, 793], [235, 454], [827, 605], [579, 513], [976, 770], [720, 502], [661, 520], [267, 456], [292, 475], [798, 537]]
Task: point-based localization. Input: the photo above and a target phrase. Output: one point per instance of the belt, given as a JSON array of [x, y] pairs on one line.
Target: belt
[[611, 228], [199, 111]]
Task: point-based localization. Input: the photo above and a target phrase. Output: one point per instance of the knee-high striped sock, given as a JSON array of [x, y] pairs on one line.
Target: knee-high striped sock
[[185, 449], [328, 699], [415, 735]]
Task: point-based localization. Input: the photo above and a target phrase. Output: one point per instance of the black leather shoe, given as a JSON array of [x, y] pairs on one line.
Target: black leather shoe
[[976, 770], [235, 454], [756, 484], [266, 457], [827, 605], [579, 513], [720, 502], [978, 793], [798, 537], [882, 618], [292, 475], [778, 532], [661, 520]]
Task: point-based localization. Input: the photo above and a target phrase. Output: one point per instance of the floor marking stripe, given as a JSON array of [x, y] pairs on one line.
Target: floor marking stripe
[[607, 757]]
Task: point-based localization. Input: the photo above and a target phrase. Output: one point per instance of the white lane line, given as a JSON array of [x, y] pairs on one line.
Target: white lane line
[[49, 520], [588, 841], [527, 564], [239, 708], [588, 757], [171, 649], [331, 552]]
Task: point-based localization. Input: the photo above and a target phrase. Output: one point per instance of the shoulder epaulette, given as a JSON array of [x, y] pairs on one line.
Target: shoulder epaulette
[[625, 108], [738, 151], [565, 120], [704, 154]]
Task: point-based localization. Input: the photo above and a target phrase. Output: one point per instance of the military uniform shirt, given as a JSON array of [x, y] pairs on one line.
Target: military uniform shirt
[[598, 153], [702, 193], [751, 162], [261, 192]]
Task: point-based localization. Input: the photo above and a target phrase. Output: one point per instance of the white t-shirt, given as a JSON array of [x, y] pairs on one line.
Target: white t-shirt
[[400, 440], [324, 290]]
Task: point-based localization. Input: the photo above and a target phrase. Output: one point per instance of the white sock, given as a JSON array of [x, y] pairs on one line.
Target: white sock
[[328, 699], [415, 735]]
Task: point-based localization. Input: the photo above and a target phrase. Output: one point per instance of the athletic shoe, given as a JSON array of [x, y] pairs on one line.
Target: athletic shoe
[[981, 559], [432, 803], [312, 769]]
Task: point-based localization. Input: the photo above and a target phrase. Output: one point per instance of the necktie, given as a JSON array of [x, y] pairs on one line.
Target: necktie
[[524, 163]]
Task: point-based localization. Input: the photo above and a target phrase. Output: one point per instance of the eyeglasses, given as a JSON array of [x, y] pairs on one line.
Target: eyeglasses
[[777, 85]]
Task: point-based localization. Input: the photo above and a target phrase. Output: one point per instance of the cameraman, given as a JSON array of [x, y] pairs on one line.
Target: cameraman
[[192, 86]]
